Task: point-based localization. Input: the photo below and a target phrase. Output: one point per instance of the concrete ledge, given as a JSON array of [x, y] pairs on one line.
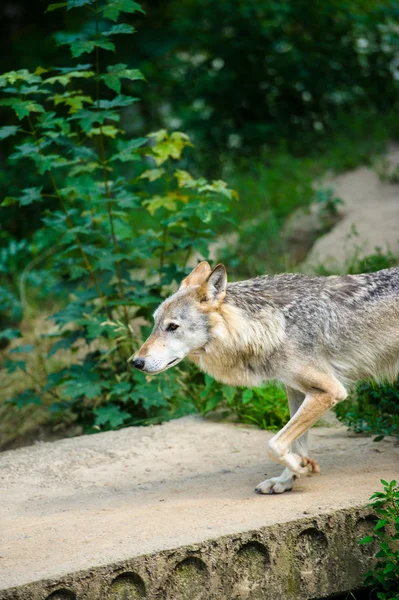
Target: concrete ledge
[[168, 512], [302, 559]]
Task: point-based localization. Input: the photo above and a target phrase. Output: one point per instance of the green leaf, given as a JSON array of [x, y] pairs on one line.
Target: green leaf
[[366, 540], [66, 78], [22, 108], [79, 3], [25, 151], [65, 343], [83, 382], [229, 392], [48, 162], [389, 567], [120, 28], [380, 524], [113, 7], [87, 117], [121, 388], [213, 401], [111, 415], [107, 130], [34, 89], [152, 174], [168, 146], [50, 121], [13, 365], [56, 5], [184, 179], [25, 398], [75, 100], [54, 379], [119, 101], [29, 196], [70, 4], [8, 201], [80, 47], [79, 67], [384, 482], [247, 396], [127, 149], [23, 76], [115, 73], [8, 131], [10, 334], [169, 202], [22, 349], [126, 199]]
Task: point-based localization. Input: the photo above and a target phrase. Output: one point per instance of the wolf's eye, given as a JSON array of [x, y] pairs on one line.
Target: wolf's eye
[[172, 327]]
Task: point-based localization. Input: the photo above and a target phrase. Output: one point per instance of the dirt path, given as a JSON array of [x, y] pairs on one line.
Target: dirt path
[[371, 217]]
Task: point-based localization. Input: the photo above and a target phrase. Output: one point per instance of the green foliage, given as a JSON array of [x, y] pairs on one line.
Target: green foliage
[[265, 406], [112, 208], [303, 72], [384, 576], [373, 409], [288, 69]]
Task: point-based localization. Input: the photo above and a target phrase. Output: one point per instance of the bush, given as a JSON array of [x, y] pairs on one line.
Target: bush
[[119, 215], [383, 578], [264, 406], [372, 410]]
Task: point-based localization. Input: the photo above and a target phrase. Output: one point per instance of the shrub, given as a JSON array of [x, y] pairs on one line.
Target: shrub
[[119, 214], [264, 406], [373, 409], [383, 578]]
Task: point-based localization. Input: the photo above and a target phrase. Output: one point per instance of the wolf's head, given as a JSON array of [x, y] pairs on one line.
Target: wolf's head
[[182, 321]]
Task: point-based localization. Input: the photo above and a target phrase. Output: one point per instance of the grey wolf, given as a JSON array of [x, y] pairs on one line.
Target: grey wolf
[[317, 335]]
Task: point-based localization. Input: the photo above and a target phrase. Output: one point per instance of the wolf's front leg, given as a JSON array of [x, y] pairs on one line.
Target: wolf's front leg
[[285, 482]]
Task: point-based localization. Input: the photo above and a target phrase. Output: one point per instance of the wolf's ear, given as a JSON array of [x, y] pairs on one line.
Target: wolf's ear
[[197, 275], [214, 289]]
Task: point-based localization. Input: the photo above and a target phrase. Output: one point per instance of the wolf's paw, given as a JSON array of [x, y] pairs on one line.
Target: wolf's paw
[[276, 485]]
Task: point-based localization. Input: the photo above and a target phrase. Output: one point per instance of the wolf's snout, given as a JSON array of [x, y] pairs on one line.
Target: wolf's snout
[[138, 363]]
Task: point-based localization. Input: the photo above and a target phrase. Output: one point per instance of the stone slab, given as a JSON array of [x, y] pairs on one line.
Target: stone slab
[[165, 506]]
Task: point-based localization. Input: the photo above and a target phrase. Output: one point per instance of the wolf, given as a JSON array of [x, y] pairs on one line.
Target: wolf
[[317, 335]]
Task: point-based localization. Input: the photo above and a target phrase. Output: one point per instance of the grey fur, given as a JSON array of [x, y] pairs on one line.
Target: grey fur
[[328, 317]]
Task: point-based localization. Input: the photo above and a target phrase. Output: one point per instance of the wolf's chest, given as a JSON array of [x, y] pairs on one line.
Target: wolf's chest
[[236, 372]]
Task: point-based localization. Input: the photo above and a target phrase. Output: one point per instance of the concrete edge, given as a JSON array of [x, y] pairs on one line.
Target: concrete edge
[[311, 557]]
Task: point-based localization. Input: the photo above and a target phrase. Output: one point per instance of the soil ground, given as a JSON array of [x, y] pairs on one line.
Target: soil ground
[[88, 501]]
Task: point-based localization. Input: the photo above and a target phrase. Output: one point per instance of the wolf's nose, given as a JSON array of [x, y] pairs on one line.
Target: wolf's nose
[[138, 363]]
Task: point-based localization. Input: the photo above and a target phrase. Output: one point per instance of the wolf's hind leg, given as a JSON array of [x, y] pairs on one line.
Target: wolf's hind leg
[[285, 482], [322, 392]]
